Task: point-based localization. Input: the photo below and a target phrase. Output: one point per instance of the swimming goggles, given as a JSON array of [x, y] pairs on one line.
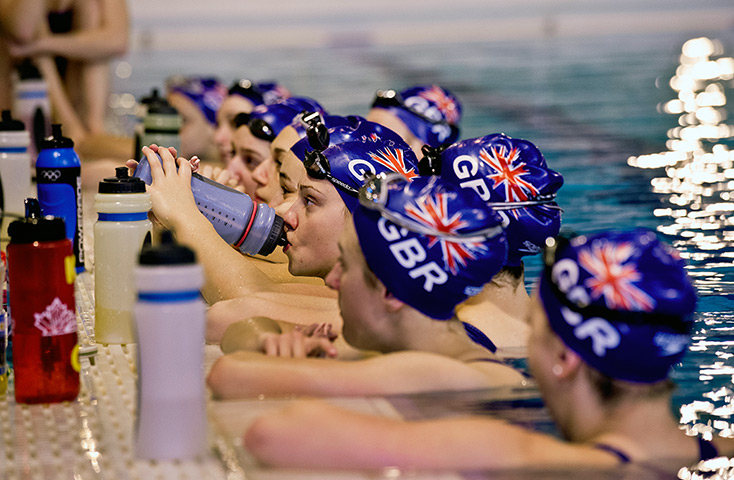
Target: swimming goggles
[[316, 164], [392, 98], [261, 129], [431, 164], [374, 194]]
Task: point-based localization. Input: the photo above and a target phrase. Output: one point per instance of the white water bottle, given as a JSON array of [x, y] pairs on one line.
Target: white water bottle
[[31, 105], [122, 227], [170, 322], [15, 164]]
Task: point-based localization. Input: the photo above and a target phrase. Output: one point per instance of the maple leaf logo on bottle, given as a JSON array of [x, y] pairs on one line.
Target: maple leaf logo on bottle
[[57, 319]]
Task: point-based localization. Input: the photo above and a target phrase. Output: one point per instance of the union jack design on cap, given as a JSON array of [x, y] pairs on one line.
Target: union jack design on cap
[[622, 300], [430, 243], [513, 177]]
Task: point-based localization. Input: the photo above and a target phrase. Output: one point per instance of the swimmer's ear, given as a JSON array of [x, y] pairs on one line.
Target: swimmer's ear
[[569, 363], [392, 304]]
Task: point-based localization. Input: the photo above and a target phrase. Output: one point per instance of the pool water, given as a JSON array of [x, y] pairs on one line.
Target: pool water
[[600, 110]]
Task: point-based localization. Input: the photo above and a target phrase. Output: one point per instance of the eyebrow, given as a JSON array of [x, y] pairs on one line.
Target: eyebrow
[[277, 153]]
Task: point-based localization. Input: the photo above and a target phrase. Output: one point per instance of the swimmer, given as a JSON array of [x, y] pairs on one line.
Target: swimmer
[[252, 165], [243, 96], [321, 206], [421, 115], [512, 176], [410, 252], [197, 100], [612, 315]]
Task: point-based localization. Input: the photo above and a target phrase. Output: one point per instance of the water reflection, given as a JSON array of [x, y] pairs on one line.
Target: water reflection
[[696, 214]]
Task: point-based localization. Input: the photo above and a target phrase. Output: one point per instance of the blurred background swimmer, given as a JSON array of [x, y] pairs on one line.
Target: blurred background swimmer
[[612, 315], [252, 166], [411, 251], [71, 42], [197, 99], [422, 115], [512, 176], [243, 96]]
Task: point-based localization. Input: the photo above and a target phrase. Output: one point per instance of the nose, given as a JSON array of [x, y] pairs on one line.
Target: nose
[[333, 277], [261, 174], [290, 217]]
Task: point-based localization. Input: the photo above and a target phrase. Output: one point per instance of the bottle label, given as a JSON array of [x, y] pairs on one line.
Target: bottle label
[[66, 175], [56, 319], [122, 217]]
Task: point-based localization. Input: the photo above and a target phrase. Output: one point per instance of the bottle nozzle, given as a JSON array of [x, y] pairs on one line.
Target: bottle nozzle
[[32, 208], [56, 130], [6, 116], [122, 172]]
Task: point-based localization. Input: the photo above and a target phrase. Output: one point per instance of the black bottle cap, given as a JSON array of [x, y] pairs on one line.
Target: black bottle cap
[[122, 182], [9, 124], [161, 107], [167, 252], [56, 140], [34, 227], [154, 96], [27, 70]]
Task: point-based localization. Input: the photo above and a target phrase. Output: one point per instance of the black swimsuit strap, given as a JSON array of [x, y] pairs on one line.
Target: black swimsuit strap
[[623, 458], [477, 336], [707, 450]]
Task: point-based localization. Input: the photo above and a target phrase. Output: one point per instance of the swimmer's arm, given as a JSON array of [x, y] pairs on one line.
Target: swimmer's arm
[[174, 206], [247, 374], [288, 309], [341, 439]]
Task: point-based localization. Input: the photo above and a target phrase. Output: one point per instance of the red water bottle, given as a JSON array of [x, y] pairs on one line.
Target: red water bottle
[[41, 270]]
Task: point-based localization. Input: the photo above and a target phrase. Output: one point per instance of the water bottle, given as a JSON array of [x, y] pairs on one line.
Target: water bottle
[[161, 125], [59, 184], [169, 316], [122, 227], [31, 104], [15, 163], [4, 368], [251, 227], [141, 112], [41, 278]]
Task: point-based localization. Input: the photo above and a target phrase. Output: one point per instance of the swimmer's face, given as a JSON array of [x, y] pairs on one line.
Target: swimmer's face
[[290, 173], [197, 134], [231, 106], [365, 325], [249, 152], [266, 174], [391, 121], [314, 223]]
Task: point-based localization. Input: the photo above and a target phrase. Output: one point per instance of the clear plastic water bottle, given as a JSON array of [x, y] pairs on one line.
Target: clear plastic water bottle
[[253, 228], [122, 227], [15, 163], [31, 104], [169, 317], [59, 184], [41, 278], [141, 111]]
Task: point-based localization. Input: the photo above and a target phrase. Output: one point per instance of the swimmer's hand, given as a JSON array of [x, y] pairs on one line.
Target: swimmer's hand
[[315, 340], [132, 164], [221, 176]]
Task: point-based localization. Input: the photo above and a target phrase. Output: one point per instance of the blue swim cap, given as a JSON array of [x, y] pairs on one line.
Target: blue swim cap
[[432, 113], [513, 177], [354, 151], [267, 121], [207, 93], [263, 93], [431, 243], [621, 300]]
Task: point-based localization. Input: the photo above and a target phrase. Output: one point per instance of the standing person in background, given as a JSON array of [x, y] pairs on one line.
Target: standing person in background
[[71, 42], [421, 115]]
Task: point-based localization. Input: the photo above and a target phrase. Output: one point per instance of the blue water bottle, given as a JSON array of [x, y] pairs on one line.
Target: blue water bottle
[[59, 182]]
